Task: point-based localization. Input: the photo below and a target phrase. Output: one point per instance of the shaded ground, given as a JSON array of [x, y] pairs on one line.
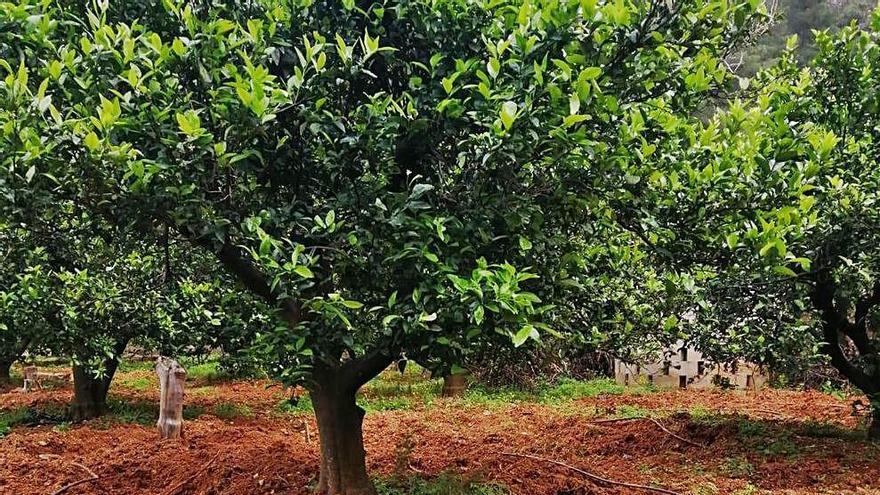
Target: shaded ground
[[244, 439]]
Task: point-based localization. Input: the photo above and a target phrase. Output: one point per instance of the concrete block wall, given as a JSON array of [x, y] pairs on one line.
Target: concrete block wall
[[685, 367]]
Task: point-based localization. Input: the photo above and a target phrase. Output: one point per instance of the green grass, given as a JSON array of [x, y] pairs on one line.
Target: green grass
[[53, 414], [818, 429], [207, 372], [10, 419], [137, 412], [126, 366], [737, 467], [231, 410], [445, 484], [302, 406], [567, 389], [561, 392], [141, 383], [628, 411], [412, 389]]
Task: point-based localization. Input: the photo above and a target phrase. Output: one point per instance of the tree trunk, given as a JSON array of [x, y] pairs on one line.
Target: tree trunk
[[454, 385], [343, 459], [90, 393], [171, 379], [5, 376]]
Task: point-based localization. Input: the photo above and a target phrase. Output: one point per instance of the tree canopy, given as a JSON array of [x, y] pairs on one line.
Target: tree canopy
[[397, 179], [773, 205]]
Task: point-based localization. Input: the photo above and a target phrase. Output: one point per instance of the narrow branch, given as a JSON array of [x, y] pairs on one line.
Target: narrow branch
[[252, 278]]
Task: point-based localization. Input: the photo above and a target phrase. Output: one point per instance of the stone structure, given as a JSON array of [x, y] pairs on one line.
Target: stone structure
[[681, 366]]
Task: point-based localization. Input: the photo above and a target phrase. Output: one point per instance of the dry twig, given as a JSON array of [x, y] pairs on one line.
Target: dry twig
[[593, 477], [615, 420], [183, 483], [676, 436], [92, 477], [657, 423]]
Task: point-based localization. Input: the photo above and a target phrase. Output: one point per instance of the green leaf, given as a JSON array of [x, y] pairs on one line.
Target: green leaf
[[732, 240], [525, 244], [479, 314], [304, 271], [494, 67], [523, 334], [92, 142], [590, 74], [784, 271], [571, 120], [508, 114], [574, 104], [189, 123], [352, 304]]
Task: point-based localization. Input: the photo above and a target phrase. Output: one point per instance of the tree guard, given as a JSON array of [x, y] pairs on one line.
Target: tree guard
[[171, 379]]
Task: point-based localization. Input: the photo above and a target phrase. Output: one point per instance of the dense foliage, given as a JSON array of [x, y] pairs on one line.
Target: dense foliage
[[398, 179], [773, 205]]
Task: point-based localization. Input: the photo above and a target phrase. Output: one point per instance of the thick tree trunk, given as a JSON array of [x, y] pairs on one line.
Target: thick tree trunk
[[343, 459], [874, 427], [454, 385], [89, 394], [5, 376]]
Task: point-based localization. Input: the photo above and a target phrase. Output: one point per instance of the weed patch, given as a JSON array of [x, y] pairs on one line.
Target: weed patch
[[445, 484], [231, 410]]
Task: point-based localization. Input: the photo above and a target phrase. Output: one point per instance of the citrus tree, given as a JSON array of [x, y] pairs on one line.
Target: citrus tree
[[394, 179], [23, 292], [774, 204]]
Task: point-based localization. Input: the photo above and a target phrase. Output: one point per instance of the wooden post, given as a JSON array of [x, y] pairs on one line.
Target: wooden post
[[30, 378], [171, 379]]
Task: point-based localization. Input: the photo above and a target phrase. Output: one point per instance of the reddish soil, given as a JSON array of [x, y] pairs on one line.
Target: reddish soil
[[765, 440]]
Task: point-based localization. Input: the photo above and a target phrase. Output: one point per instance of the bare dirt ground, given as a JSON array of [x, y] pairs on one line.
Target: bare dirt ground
[[242, 443]]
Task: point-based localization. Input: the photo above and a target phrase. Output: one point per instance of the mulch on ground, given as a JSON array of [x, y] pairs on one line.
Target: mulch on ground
[[277, 453]]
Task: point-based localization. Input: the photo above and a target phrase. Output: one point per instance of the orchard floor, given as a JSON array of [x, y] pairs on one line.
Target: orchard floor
[[243, 438]]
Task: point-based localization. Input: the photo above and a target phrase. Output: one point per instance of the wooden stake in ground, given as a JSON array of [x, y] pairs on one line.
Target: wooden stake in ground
[[171, 379], [30, 378]]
